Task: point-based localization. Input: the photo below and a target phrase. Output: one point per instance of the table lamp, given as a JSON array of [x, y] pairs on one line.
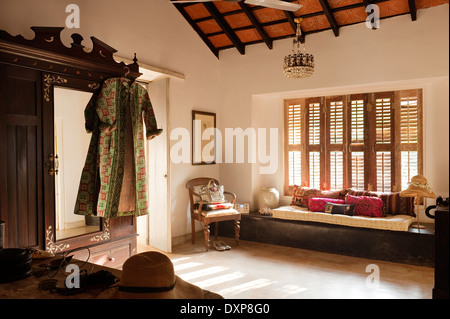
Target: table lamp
[[418, 187]]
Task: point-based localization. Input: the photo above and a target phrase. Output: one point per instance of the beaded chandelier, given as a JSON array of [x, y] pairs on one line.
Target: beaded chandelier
[[298, 64]]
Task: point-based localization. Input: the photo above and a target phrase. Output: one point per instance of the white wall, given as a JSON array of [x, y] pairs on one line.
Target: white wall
[[160, 36], [401, 54]]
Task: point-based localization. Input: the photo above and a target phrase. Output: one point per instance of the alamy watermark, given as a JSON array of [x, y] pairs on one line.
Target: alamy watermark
[[373, 17], [73, 19], [373, 279], [73, 279], [262, 146]]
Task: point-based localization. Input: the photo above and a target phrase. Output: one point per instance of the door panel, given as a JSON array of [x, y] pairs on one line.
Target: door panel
[[159, 230], [20, 176]]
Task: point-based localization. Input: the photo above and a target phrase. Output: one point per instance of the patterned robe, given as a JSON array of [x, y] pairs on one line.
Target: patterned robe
[[113, 180]]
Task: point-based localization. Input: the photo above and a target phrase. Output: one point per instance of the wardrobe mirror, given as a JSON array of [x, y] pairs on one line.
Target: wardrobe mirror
[[71, 145]]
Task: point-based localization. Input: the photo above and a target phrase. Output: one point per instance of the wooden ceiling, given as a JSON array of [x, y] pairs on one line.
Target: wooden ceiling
[[224, 25]]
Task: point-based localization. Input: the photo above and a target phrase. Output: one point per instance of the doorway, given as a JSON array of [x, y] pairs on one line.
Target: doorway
[[155, 228]]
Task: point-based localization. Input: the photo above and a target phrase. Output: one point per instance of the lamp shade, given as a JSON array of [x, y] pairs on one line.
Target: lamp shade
[[418, 187]]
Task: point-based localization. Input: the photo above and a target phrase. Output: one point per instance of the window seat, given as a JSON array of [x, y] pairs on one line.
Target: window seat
[[390, 222], [410, 246]]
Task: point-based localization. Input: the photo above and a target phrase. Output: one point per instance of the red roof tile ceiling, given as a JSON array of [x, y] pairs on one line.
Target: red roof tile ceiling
[[223, 25]]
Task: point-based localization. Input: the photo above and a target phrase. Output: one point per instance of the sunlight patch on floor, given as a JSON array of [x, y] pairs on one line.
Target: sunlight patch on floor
[[290, 289], [219, 279], [202, 272], [175, 260], [186, 266], [254, 284]]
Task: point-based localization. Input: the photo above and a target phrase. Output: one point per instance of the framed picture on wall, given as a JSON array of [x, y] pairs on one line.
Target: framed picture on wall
[[203, 138]]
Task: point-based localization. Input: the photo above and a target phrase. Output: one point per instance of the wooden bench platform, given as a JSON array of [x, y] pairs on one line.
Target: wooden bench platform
[[414, 246]]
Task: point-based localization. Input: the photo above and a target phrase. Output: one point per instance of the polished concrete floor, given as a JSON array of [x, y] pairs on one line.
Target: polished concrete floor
[[261, 271]]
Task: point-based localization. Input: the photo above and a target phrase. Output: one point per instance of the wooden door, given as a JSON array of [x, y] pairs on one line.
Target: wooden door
[[21, 203], [159, 221]]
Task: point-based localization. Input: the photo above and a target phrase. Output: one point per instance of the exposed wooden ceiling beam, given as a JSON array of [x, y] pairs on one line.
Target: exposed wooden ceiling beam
[[412, 9], [225, 26], [256, 24], [329, 14], [197, 29]]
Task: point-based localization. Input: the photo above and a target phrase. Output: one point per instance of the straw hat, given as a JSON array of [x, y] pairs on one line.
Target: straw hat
[[150, 275], [418, 187]]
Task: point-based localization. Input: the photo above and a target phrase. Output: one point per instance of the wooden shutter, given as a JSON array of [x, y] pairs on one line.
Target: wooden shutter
[[383, 120], [409, 143], [314, 170], [335, 140], [382, 145], [357, 121], [295, 164], [357, 164], [293, 144], [313, 156], [357, 139], [409, 167], [336, 170], [314, 123], [294, 124], [367, 141], [384, 171], [409, 126]]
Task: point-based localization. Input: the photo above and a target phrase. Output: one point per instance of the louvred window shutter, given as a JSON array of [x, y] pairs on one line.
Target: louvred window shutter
[[383, 141], [383, 120], [357, 121], [314, 123], [336, 170], [409, 120], [293, 144], [363, 141], [314, 170], [357, 170], [335, 144], [384, 170], [409, 137]]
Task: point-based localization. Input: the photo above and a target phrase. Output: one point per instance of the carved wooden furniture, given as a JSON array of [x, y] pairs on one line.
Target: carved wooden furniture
[[29, 70], [213, 216]]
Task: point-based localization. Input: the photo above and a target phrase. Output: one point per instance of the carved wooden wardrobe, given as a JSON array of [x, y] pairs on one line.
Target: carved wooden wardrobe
[[30, 71]]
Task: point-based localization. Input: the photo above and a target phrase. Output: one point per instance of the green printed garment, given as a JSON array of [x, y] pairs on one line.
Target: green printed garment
[[113, 180]]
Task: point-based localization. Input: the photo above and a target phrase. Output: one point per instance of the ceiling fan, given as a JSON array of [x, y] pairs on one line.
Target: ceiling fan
[[275, 4]]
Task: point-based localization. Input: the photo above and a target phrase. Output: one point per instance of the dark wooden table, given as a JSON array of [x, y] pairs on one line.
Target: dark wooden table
[[34, 286]]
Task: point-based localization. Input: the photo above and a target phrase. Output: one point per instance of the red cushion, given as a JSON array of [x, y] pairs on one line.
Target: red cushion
[[366, 205], [317, 204], [393, 203]]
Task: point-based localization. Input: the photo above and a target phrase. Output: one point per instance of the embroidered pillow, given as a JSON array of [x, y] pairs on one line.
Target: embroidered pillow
[[302, 195], [317, 204], [343, 209], [366, 205]]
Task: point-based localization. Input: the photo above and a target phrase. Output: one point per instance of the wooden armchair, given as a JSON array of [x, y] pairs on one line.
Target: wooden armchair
[[211, 216]]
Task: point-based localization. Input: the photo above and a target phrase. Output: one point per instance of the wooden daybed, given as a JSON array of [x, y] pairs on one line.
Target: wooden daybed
[[297, 227]]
